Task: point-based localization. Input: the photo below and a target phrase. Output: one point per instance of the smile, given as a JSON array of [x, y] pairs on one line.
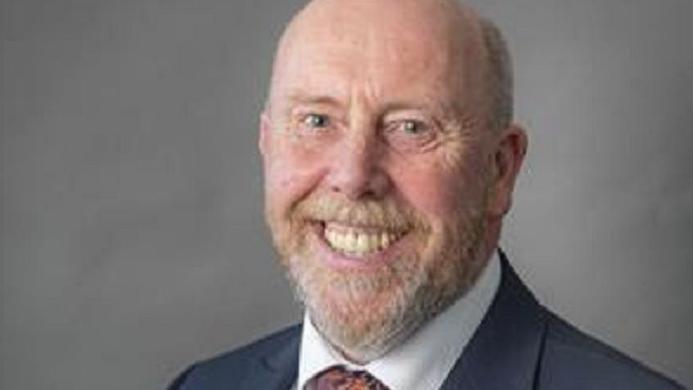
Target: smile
[[358, 241]]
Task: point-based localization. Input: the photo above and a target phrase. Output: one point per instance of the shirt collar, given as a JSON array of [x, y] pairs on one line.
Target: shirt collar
[[424, 360]]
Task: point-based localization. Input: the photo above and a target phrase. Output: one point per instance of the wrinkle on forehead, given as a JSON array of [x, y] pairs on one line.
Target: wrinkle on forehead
[[437, 41]]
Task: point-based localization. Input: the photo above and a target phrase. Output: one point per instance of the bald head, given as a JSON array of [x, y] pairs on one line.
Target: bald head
[[442, 32]]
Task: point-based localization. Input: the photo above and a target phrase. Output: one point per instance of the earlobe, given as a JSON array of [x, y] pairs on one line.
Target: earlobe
[[508, 158]]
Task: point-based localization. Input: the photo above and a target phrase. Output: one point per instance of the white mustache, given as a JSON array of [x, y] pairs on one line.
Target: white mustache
[[383, 214]]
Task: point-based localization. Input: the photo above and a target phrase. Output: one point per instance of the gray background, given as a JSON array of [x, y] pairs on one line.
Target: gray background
[[132, 241]]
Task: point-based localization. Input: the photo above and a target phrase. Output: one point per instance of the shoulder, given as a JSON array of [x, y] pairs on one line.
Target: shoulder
[[244, 362], [573, 360]]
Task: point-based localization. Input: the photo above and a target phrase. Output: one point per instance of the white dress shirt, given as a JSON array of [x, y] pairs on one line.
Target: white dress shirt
[[424, 360]]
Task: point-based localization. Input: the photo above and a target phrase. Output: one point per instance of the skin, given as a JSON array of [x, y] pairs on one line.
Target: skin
[[378, 120]]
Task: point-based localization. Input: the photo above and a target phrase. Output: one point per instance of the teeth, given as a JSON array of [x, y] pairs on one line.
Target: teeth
[[384, 240], [373, 241], [356, 242], [350, 241], [362, 243]]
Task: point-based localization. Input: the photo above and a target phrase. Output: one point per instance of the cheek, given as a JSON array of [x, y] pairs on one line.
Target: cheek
[[433, 193], [440, 191], [289, 176]]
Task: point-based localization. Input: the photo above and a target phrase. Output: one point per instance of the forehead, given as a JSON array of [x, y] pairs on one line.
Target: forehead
[[394, 56], [378, 65]]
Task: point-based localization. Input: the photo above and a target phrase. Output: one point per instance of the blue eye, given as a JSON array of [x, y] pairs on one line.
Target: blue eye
[[316, 120], [413, 127], [411, 135]]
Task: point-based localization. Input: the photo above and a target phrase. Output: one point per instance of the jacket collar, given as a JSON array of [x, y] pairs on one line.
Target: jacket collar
[[505, 351], [278, 368]]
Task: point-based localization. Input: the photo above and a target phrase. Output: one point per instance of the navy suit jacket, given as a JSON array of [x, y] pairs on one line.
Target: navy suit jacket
[[519, 345]]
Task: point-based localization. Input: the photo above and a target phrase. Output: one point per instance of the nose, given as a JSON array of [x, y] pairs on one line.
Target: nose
[[356, 170]]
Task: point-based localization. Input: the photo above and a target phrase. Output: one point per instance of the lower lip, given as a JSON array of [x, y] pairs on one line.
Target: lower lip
[[340, 260]]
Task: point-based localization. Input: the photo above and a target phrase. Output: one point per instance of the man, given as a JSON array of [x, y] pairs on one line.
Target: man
[[390, 158]]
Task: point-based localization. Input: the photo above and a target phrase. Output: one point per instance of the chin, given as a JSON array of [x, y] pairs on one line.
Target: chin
[[365, 313], [362, 314]]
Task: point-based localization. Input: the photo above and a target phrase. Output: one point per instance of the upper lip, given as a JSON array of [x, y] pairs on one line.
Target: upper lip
[[364, 227]]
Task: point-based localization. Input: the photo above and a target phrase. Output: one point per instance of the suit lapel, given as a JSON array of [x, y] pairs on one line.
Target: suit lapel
[[278, 369], [505, 350]]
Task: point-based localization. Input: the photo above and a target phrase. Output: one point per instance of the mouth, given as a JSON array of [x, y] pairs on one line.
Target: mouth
[[359, 241]]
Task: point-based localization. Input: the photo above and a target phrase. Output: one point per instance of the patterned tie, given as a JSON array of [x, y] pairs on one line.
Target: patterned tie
[[341, 378]]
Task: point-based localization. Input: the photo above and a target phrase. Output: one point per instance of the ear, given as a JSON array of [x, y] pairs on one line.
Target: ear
[[264, 134], [507, 159]]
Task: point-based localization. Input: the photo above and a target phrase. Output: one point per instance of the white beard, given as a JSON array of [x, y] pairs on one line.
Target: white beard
[[409, 291]]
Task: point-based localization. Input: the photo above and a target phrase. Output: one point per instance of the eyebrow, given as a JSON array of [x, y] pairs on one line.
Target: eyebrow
[[305, 98], [402, 105], [426, 105]]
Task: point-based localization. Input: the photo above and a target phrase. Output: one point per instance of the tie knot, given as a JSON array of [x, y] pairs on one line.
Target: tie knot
[[341, 378]]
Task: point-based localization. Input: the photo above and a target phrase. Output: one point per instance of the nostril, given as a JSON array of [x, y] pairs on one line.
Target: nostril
[[374, 186], [357, 172]]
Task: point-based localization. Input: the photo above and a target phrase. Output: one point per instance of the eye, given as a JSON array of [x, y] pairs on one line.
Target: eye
[[316, 121], [412, 127], [410, 135]]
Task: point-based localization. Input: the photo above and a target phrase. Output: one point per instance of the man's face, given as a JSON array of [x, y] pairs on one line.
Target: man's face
[[376, 173]]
